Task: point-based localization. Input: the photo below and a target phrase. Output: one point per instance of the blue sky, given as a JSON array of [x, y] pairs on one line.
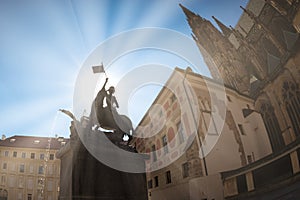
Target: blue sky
[[44, 43]]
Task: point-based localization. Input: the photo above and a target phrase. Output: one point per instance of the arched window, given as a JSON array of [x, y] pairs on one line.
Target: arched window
[[272, 126], [291, 97]]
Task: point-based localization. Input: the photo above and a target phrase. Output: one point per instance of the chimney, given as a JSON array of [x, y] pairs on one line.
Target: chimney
[[3, 137]]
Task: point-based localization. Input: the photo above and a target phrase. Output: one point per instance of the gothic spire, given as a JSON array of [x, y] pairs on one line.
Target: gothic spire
[[219, 54], [237, 34], [250, 14], [192, 18], [225, 30], [206, 34], [187, 12]]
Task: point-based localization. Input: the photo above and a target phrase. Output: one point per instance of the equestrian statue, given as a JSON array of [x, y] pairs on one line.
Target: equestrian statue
[[107, 116]]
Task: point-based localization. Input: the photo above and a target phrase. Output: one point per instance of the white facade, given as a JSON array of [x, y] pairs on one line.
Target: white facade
[[226, 138]]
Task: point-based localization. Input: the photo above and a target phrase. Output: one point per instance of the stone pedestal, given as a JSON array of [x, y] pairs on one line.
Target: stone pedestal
[[84, 177]]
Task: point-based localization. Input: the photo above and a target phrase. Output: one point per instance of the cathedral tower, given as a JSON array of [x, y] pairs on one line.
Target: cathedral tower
[[222, 59]]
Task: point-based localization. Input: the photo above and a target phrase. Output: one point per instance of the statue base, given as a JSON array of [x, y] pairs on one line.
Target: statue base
[[82, 176]]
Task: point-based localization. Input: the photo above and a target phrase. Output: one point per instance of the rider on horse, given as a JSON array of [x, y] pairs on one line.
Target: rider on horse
[[107, 117], [110, 99]]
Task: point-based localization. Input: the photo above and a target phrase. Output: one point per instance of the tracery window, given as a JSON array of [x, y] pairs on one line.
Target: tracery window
[[272, 126], [291, 97]]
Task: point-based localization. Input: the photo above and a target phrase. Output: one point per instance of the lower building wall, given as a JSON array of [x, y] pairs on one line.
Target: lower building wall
[[274, 177], [66, 173], [208, 187], [176, 192]]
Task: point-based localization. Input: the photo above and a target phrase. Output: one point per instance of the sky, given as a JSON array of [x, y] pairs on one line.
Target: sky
[[43, 45]]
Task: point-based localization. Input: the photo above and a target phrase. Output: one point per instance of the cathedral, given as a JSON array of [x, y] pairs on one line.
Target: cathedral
[[245, 145]]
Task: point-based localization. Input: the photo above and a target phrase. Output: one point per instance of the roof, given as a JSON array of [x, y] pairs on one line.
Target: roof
[[33, 142]]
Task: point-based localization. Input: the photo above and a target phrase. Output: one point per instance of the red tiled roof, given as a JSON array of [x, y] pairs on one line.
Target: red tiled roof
[[33, 142]]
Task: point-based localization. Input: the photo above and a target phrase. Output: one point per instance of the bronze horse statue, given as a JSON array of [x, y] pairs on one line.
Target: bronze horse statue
[[108, 118]]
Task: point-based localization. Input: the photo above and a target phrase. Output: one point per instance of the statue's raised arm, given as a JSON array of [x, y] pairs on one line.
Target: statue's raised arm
[[101, 95], [103, 88]]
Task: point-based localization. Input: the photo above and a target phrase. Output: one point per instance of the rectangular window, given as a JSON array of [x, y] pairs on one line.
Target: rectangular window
[[154, 153], [12, 181], [249, 158], [6, 153], [168, 177], [30, 184], [3, 180], [241, 129], [160, 113], [20, 196], [180, 132], [241, 183], [23, 155], [156, 181], [41, 169], [52, 156], [22, 168], [42, 156], [165, 144], [32, 155], [14, 154], [13, 167], [50, 186], [50, 169], [4, 166], [21, 182], [185, 170], [150, 184], [29, 196], [173, 98], [31, 169]]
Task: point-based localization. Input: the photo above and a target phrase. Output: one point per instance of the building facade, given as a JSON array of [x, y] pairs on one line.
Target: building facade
[[28, 167], [255, 153], [226, 141]]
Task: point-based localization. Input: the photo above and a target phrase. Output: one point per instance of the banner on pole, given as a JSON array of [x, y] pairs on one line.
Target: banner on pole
[[98, 69]]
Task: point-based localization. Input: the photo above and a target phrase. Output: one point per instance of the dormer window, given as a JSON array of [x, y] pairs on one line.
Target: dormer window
[[12, 140], [36, 142]]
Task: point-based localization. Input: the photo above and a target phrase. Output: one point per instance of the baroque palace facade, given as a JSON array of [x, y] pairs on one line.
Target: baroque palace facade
[[29, 168], [237, 142]]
